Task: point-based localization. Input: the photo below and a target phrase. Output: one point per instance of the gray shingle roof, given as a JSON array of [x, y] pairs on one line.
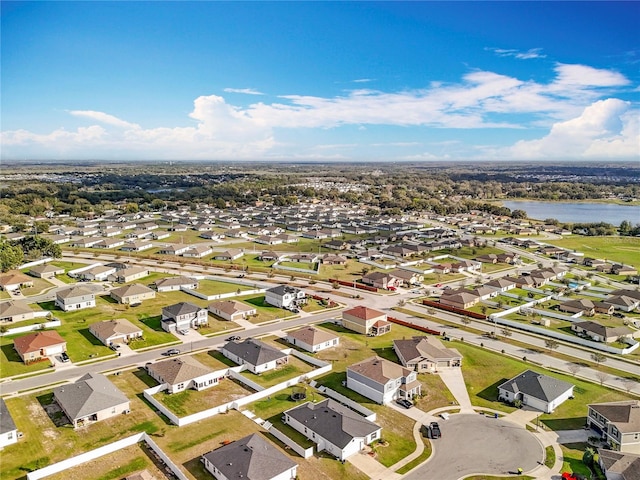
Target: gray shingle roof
[[536, 385], [182, 308], [6, 422], [254, 351], [333, 421], [178, 370], [91, 394], [250, 458]]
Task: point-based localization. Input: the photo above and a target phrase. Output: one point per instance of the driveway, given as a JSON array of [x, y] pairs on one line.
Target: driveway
[[473, 444]]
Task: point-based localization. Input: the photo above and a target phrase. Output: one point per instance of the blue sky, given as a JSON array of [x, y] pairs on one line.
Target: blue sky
[[325, 81]]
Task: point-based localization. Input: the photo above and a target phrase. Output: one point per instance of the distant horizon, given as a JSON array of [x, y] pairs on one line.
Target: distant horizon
[[328, 82]]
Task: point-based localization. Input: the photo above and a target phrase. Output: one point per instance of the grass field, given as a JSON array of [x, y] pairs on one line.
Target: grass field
[[618, 249], [484, 371]]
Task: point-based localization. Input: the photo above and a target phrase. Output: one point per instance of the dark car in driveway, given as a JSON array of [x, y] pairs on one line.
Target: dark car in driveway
[[64, 357], [434, 430], [403, 402]]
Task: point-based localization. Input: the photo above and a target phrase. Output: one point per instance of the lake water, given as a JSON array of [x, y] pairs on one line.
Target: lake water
[[579, 212]]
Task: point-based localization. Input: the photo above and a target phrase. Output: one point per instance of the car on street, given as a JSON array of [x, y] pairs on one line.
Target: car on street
[[434, 430], [403, 402], [172, 351], [233, 338], [64, 357], [438, 285]]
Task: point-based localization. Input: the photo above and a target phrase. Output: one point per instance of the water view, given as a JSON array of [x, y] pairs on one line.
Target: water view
[[579, 212]]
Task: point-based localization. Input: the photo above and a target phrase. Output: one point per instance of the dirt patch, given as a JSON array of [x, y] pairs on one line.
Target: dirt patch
[[55, 414]]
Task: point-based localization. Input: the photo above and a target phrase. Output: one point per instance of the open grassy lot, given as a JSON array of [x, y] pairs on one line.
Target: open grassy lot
[[214, 287], [484, 371], [188, 402], [312, 267], [618, 249], [265, 312]]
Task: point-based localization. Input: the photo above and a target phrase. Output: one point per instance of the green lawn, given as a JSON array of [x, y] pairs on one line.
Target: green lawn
[[312, 267], [293, 368], [10, 362], [484, 371], [572, 454], [618, 249], [214, 287], [265, 312]]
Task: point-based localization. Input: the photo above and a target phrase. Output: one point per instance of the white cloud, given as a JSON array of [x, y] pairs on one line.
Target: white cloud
[[104, 118], [363, 80], [481, 99], [247, 91], [510, 52], [606, 129]]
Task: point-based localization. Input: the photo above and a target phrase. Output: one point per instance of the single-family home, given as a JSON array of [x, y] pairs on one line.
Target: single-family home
[[536, 390], [502, 284], [313, 339], [251, 458], [285, 296], [14, 280], [97, 273], [269, 256], [229, 255], [459, 299], [182, 373], [183, 316], [174, 249], [39, 345], [171, 284], [91, 399], [619, 465], [382, 380], [15, 311], [8, 429], [231, 310], [382, 280], [333, 427], [256, 355], [132, 294], [304, 258], [426, 354], [618, 423], [75, 298], [333, 259], [116, 331], [578, 305], [137, 246], [407, 277], [365, 320], [131, 274], [45, 270], [198, 251], [600, 333]]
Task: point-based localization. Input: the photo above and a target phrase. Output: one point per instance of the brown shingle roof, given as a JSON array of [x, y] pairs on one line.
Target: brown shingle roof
[[35, 341]]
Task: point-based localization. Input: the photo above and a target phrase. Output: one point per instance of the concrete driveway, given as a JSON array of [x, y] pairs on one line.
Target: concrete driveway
[[474, 444]]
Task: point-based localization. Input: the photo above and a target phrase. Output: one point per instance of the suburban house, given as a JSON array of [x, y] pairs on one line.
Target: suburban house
[[256, 355], [578, 305], [251, 457], [115, 331], [284, 296], [618, 423], [538, 391], [333, 259], [91, 399], [45, 271], [8, 429], [366, 320], [381, 280], [231, 310], [172, 284], [130, 274], [97, 273], [229, 255], [304, 258], [269, 256], [313, 339], [182, 373], [183, 316], [174, 249], [407, 277], [16, 311], [502, 284], [601, 333], [39, 345], [132, 294], [619, 465], [333, 427], [198, 251], [382, 380], [459, 299], [426, 354], [14, 280]]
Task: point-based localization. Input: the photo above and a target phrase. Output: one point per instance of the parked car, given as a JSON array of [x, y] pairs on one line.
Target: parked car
[[183, 331], [403, 402], [135, 304], [114, 346], [64, 357], [434, 430], [172, 351], [233, 338]]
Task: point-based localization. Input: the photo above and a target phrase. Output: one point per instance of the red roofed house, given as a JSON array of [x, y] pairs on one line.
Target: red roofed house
[[366, 320], [36, 346]]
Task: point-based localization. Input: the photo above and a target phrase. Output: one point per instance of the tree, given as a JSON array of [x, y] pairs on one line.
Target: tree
[[602, 377], [574, 368], [551, 344], [335, 285], [629, 384], [10, 256], [506, 332], [401, 302], [466, 320], [519, 214], [598, 358]]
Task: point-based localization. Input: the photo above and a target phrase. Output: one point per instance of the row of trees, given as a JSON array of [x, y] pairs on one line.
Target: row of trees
[[31, 247]]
